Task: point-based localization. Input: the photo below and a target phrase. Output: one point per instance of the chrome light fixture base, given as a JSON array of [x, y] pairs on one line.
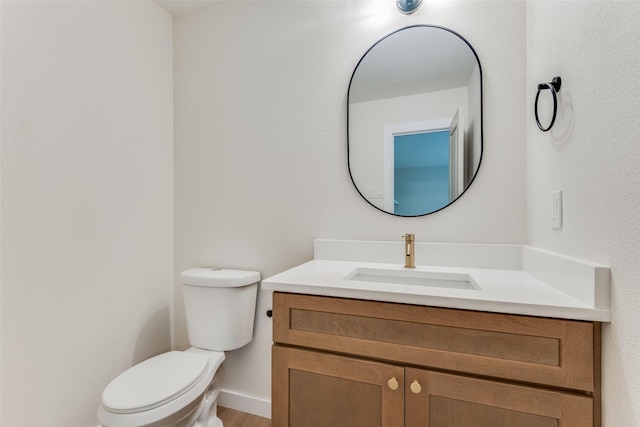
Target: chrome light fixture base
[[408, 6]]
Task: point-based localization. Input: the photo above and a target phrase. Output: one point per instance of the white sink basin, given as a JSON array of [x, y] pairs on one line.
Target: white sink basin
[[413, 277]]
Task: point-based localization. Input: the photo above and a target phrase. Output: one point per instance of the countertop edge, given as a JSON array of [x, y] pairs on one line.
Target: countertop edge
[[560, 312]]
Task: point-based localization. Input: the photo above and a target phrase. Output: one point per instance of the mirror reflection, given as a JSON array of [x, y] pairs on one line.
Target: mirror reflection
[[415, 120]]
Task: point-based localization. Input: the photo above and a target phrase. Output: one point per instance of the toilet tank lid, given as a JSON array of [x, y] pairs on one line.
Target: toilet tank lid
[[218, 277]]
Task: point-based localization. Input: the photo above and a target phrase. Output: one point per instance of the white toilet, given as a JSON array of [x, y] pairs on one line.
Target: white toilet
[[177, 389]]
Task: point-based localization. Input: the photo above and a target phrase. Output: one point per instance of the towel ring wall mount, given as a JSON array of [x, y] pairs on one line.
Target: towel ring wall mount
[[554, 87]]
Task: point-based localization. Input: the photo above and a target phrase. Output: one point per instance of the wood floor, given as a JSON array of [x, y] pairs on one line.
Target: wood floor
[[231, 418]]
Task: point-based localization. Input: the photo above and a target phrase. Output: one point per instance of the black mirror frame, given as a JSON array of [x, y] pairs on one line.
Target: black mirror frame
[[481, 119]]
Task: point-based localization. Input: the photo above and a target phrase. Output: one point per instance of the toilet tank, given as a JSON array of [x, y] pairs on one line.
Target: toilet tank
[[220, 306]]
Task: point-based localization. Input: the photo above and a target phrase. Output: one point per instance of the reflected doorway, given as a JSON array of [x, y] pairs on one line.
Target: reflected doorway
[[424, 165], [421, 172]]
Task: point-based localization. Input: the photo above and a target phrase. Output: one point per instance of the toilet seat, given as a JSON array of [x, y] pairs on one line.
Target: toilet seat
[[154, 382], [171, 407]]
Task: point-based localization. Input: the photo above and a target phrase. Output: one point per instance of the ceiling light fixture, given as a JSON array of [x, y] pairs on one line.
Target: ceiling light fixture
[[408, 6]]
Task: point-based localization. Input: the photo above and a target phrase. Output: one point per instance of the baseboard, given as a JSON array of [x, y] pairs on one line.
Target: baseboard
[[245, 403]]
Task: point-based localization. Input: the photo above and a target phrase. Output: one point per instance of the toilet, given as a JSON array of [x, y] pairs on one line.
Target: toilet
[[179, 388]]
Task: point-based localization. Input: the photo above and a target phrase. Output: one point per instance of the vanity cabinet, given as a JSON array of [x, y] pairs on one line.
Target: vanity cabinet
[[341, 362]]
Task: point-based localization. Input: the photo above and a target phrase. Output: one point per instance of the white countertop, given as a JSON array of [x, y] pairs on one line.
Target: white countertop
[[572, 288]]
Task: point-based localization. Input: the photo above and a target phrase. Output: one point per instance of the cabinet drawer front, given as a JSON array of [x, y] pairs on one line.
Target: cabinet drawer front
[[537, 350]]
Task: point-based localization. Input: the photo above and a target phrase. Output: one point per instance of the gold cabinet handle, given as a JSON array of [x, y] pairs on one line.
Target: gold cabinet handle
[[416, 388], [393, 383]]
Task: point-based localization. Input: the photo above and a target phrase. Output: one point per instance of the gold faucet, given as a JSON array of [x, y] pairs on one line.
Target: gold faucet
[[409, 251]]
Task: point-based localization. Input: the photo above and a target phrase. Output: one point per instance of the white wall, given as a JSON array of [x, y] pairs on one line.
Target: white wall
[[593, 155], [86, 202], [1, 248], [261, 158]]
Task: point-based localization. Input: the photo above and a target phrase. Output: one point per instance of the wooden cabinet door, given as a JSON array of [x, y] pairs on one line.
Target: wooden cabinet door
[[446, 400], [313, 389]]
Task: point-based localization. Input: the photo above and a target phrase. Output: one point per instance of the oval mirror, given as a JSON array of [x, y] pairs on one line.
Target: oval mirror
[[415, 120]]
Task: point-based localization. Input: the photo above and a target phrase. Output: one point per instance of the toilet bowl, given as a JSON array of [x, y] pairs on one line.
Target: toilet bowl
[[179, 388]]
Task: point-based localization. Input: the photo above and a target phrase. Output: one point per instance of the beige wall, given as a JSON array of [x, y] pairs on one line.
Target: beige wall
[[87, 209], [592, 154], [261, 148]]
